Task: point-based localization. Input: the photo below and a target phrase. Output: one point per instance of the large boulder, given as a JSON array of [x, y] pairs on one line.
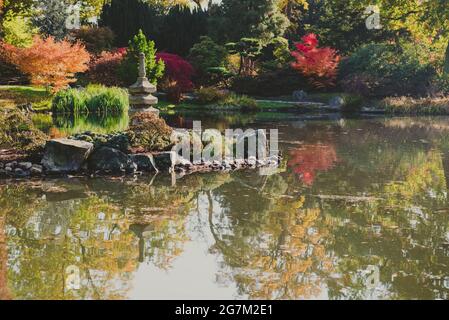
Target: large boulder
[[65, 155], [109, 160]]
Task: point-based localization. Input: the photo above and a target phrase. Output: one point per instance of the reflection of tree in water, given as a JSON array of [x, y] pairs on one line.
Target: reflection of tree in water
[[308, 160], [274, 249], [91, 227]]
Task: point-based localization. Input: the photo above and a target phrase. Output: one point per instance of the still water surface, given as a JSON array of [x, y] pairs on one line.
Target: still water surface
[[358, 209]]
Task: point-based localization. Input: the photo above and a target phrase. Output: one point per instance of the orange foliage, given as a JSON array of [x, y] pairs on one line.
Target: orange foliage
[[308, 160], [318, 64], [48, 62]]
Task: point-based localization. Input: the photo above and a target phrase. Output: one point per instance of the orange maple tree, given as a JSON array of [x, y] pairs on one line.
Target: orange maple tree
[[49, 62], [318, 64]]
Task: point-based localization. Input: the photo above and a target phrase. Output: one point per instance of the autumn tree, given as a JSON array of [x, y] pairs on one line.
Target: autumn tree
[[49, 62], [318, 64]]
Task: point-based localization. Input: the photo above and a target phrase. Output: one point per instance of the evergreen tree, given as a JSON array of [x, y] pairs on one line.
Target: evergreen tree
[[51, 17], [126, 17], [260, 19], [181, 29], [155, 68]]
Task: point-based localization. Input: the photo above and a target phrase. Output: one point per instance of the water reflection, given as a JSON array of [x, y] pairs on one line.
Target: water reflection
[[351, 197]]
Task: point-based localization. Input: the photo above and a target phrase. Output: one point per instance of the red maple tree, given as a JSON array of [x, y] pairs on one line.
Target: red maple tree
[[49, 62], [320, 65]]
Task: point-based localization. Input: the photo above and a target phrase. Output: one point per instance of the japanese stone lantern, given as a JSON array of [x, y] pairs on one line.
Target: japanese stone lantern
[[140, 93]]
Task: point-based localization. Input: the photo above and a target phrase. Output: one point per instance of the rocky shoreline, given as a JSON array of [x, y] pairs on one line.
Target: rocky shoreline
[[63, 157]]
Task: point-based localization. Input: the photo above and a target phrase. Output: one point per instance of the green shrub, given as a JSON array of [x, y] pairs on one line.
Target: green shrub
[[270, 84], [93, 99], [128, 70], [18, 131], [441, 84], [207, 54], [244, 103], [384, 70], [95, 39], [352, 103], [209, 95], [149, 132]]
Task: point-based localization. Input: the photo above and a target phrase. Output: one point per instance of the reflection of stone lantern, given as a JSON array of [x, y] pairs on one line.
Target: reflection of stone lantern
[[140, 93]]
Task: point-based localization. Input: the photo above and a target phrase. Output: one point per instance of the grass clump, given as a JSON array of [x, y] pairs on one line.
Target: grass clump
[[93, 99], [224, 99], [420, 106]]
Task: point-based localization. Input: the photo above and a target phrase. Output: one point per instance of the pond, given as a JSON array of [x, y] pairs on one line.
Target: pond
[[357, 209]]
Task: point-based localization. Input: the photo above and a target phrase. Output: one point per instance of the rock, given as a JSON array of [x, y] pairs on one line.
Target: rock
[[36, 170], [144, 162], [25, 165], [65, 155], [8, 170], [336, 102], [165, 160], [21, 173], [109, 160], [299, 95], [11, 164]]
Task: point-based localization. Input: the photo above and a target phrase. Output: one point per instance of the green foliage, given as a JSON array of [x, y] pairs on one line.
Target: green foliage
[[209, 95], [387, 70], [221, 98], [244, 18], [352, 103], [94, 99], [244, 103], [129, 68], [126, 17], [149, 132], [18, 131], [207, 54], [18, 31], [411, 106], [96, 40], [270, 84], [275, 54], [180, 29], [50, 17], [441, 84]]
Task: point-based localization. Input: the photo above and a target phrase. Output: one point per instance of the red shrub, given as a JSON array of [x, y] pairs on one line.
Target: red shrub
[[48, 62], [177, 70], [318, 64], [104, 68]]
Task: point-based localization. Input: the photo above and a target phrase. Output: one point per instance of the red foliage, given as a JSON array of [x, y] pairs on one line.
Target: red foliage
[[177, 70], [306, 161], [318, 64], [48, 62], [104, 68]]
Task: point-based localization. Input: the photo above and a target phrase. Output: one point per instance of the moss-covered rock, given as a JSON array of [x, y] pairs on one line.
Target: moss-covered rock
[[18, 131]]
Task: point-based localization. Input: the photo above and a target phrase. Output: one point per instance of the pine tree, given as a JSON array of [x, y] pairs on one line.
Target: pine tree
[[261, 19], [51, 17]]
